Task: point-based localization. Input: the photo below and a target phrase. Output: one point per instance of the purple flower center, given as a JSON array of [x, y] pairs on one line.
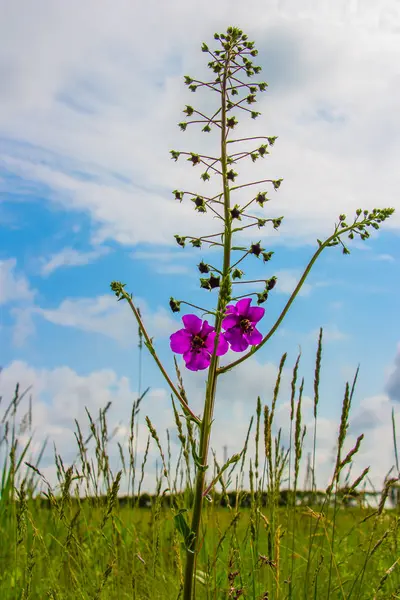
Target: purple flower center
[[246, 325], [197, 343]]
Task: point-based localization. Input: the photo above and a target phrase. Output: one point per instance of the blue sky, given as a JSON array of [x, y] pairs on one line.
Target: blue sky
[[85, 198]]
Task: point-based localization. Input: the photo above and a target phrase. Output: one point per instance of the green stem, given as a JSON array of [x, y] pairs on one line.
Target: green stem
[[150, 347], [288, 304], [206, 423]]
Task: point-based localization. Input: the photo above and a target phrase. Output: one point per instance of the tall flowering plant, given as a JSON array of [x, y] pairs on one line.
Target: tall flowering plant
[[236, 320]]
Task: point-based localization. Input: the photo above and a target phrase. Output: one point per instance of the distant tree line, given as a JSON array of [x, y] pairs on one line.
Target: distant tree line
[[242, 499]]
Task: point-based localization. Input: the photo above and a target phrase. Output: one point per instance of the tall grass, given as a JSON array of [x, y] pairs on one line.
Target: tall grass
[[83, 539]]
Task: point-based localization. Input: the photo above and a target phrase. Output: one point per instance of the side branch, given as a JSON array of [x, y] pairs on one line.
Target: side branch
[[288, 304], [121, 293]]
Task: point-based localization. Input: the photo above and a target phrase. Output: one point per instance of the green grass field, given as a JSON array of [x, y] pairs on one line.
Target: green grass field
[[83, 540], [75, 550]]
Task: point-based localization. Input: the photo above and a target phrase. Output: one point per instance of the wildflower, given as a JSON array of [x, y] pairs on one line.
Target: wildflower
[[196, 343], [240, 325]]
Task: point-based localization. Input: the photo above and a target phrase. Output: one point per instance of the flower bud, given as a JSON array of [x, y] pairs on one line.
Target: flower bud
[[203, 267], [180, 240], [178, 194], [194, 159], [277, 183], [200, 205], [231, 122], [261, 298], [261, 198], [263, 150], [256, 249], [267, 256], [237, 274], [235, 212], [214, 281], [174, 154], [210, 283], [175, 305]]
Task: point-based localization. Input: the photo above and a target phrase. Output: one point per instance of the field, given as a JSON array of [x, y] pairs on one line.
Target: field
[[272, 542], [76, 550]]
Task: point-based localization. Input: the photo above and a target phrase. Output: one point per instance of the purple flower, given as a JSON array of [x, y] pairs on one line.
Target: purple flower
[[240, 325], [196, 343]]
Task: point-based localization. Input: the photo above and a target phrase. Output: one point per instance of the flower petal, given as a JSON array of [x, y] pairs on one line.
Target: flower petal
[[222, 347], [255, 313], [242, 306], [197, 361], [230, 321], [206, 329], [254, 338], [236, 340], [230, 310], [180, 341], [192, 323]]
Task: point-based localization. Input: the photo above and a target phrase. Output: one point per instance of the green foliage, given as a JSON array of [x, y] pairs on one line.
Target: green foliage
[[274, 540]]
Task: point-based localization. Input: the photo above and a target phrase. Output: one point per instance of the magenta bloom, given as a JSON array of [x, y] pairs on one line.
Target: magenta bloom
[[196, 343], [240, 325]]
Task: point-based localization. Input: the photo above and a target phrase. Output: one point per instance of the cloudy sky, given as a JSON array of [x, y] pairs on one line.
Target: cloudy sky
[[90, 99]]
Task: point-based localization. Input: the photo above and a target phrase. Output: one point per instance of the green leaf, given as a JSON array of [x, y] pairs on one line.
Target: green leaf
[[234, 459], [181, 525]]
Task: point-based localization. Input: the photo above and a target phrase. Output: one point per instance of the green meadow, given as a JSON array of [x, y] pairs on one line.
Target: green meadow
[[83, 539]]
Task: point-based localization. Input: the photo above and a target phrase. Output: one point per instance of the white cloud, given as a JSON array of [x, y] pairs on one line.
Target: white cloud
[[236, 399], [154, 257], [14, 286], [24, 326], [393, 383], [61, 394], [385, 257], [336, 305], [18, 296], [69, 257], [331, 333], [172, 269], [103, 314], [288, 280], [164, 263], [99, 130]]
